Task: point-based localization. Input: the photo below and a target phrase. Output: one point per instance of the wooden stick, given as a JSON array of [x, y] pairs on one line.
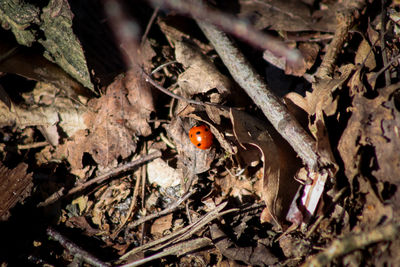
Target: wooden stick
[[257, 89]]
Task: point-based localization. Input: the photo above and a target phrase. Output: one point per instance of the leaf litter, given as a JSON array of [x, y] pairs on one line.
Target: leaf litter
[[250, 198]]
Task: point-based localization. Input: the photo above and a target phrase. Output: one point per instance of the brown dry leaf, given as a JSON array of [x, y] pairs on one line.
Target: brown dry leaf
[[289, 15], [322, 103], [373, 209], [365, 55], [161, 224], [113, 123], [113, 203], [35, 67], [276, 190], [195, 160], [15, 186], [310, 52], [237, 186], [371, 138], [200, 74]]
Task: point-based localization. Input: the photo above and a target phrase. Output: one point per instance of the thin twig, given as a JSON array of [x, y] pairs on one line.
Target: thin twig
[[165, 91], [345, 21], [255, 87], [182, 233], [385, 67], [33, 145], [320, 218], [74, 249], [115, 172], [178, 249], [148, 27], [354, 242], [101, 178], [170, 209], [383, 42], [131, 208], [232, 25]]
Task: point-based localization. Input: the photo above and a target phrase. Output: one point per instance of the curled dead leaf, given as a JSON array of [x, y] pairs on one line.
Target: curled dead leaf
[[278, 186]]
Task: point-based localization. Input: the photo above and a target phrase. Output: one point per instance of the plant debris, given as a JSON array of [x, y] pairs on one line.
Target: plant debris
[[299, 100]]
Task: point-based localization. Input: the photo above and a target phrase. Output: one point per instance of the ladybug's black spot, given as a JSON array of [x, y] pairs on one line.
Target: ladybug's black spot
[[198, 132], [206, 129], [191, 135], [198, 144]]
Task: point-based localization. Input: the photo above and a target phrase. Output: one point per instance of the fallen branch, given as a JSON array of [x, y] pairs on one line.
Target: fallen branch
[[255, 87]]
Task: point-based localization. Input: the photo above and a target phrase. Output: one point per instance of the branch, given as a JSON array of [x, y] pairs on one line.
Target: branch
[[255, 87], [232, 25]]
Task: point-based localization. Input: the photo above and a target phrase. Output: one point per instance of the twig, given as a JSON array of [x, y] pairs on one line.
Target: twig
[[162, 66], [178, 249], [33, 145], [182, 233], [148, 27], [353, 242], [320, 218], [252, 83], [231, 24], [385, 67], [101, 178], [126, 32], [132, 206], [74, 249], [170, 209], [345, 21], [383, 42], [165, 91]]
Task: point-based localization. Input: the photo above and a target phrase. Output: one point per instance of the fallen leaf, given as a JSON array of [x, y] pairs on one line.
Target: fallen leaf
[[195, 160], [371, 138], [161, 224], [113, 122], [200, 75], [289, 15], [278, 186], [15, 186]]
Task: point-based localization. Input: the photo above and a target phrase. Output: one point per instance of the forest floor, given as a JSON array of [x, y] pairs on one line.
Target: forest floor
[[254, 133]]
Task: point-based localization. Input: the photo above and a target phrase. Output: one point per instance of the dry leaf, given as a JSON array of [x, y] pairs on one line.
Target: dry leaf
[[289, 15], [161, 224], [113, 122], [200, 74], [195, 160], [277, 190], [15, 186], [371, 138], [365, 55]]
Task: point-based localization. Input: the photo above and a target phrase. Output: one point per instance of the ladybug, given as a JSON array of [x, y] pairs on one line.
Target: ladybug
[[201, 136]]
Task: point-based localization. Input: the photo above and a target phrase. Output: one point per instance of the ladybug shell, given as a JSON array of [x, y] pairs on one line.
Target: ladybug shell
[[201, 136]]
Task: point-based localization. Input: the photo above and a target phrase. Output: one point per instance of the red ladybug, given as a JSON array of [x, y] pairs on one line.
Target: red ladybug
[[201, 136]]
